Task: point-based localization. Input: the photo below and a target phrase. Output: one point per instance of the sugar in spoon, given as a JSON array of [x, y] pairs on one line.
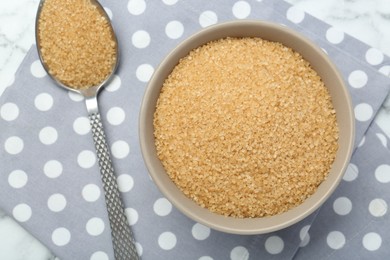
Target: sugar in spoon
[[79, 50]]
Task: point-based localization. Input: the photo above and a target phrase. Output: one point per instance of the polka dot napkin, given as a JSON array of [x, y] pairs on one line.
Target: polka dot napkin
[[353, 223], [50, 180]]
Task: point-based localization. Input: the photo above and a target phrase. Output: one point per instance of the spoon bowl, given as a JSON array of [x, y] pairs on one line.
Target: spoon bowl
[[88, 91]]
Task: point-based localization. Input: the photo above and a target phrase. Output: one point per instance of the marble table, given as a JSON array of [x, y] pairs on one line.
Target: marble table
[[368, 21]]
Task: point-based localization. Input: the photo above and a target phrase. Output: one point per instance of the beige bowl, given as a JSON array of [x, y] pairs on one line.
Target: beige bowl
[[340, 98]]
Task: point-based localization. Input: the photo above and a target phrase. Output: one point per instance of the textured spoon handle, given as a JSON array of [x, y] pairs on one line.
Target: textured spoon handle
[[122, 237]]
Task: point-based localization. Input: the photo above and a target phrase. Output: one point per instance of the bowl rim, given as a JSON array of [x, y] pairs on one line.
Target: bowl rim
[[152, 86]]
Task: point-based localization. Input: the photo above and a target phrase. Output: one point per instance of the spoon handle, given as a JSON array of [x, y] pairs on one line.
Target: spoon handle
[[122, 236]]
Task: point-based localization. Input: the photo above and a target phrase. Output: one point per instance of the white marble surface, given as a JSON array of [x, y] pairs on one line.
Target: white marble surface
[[366, 20], [16, 36]]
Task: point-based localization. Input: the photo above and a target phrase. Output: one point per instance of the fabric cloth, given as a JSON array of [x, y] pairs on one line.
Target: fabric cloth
[[353, 223], [50, 180]]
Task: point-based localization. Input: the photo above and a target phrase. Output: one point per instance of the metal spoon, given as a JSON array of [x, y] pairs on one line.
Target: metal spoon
[[122, 237]]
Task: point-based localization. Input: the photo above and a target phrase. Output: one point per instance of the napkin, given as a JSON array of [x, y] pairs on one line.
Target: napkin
[[50, 180], [354, 222]]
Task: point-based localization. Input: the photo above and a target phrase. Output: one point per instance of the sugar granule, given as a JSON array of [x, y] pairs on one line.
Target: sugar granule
[[245, 127], [77, 43]]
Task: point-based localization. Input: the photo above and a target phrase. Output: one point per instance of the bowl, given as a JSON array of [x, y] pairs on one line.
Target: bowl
[[341, 100]]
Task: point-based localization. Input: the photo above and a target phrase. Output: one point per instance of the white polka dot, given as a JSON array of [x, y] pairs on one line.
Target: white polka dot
[[239, 253], [136, 7], [385, 70], [206, 257], [334, 35], [351, 173], [144, 72], [374, 56], [139, 248], [91, 192], [86, 159], [295, 14], [22, 212], [357, 79], [108, 12], [43, 102], [141, 39], [174, 29], [304, 236], [167, 240], [56, 202], [377, 207], [363, 112], [17, 179], [13, 145], [76, 97], [362, 141], [132, 216], [241, 9], [274, 245], [52, 169], [61, 236], [9, 111], [37, 69], [208, 18], [82, 125], [372, 241], [342, 206], [120, 149], [200, 232], [382, 138], [162, 207], [99, 255], [116, 116], [125, 182], [382, 173], [95, 226], [48, 135], [114, 84], [335, 240], [169, 2]]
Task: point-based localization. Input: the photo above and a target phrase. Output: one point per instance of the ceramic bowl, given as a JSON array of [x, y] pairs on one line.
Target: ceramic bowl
[[319, 62]]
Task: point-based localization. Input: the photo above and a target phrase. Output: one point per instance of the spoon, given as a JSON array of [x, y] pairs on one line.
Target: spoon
[[72, 69]]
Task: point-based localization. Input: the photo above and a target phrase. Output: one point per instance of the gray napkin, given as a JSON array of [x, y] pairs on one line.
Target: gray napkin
[[354, 221], [50, 180]]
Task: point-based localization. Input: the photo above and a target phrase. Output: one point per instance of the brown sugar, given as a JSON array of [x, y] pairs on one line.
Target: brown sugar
[[76, 42], [245, 127]]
